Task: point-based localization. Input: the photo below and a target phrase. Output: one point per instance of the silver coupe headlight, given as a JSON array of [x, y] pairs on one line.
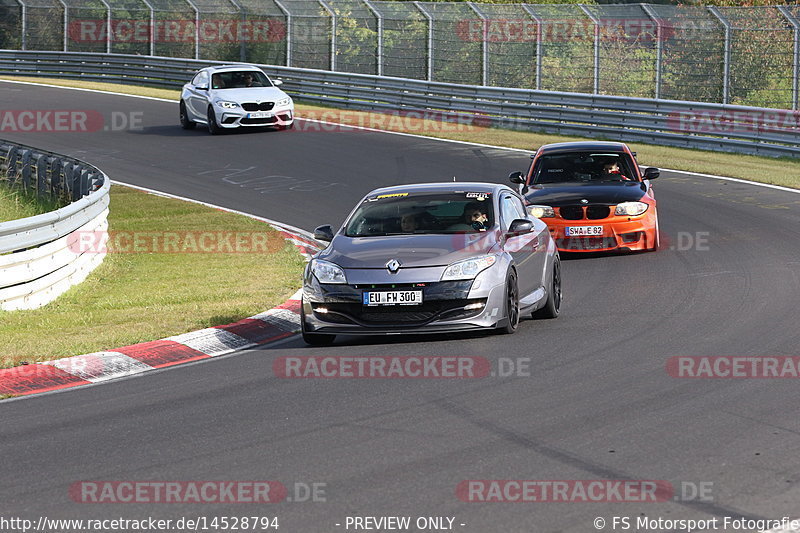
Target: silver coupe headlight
[[282, 102], [327, 272], [226, 105], [630, 209], [469, 268]]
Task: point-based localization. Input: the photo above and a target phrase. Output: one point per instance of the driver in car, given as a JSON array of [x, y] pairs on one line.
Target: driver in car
[[611, 171], [474, 218]]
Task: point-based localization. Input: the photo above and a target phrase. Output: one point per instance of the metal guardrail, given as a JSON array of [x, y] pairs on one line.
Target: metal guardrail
[[717, 127], [744, 55], [41, 256]]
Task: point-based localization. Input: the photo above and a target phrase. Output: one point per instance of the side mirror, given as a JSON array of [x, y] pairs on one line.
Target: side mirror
[[277, 83], [324, 233], [516, 177], [519, 226], [651, 173]]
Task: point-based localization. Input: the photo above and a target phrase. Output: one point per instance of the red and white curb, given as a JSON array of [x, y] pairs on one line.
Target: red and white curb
[[277, 323]]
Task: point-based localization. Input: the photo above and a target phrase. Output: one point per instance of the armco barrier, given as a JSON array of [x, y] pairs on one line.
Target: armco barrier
[[37, 259], [718, 127]]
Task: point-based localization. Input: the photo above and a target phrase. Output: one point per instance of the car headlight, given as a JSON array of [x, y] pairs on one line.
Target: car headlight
[[282, 102], [227, 105], [327, 272], [541, 211], [631, 209], [469, 268]]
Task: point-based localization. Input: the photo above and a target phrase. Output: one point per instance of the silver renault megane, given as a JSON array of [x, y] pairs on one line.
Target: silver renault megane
[[233, 96], [431, 258]]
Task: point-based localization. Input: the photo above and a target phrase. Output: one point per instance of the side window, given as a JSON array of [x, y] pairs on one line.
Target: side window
[[201, 79], [511, 208]]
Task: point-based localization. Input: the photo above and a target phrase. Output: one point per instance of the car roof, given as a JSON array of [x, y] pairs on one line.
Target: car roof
[[582, 146], [225, 68], [444, 186]]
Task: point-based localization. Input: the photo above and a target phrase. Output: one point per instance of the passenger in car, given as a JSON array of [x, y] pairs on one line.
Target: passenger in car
[[408, 223]]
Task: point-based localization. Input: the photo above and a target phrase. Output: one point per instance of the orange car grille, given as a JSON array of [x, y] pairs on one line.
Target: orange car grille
[[580, 212]]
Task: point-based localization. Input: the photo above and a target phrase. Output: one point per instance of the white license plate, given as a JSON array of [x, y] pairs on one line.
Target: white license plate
[[584, 231], [260, 114], [393, 298]]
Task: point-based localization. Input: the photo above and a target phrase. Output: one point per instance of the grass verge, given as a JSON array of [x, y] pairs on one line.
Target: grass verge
[[15, 203], [148, 294], [777, 171]]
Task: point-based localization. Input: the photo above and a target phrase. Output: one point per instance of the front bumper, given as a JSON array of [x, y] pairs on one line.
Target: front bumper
[[447, 307], [619, 233], [236, 118]]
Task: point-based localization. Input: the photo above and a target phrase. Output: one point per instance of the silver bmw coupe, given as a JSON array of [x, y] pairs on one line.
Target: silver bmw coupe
[[234, 96]]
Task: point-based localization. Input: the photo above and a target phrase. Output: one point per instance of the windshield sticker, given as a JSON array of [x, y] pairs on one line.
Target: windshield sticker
[[480, 196], [395, 195]]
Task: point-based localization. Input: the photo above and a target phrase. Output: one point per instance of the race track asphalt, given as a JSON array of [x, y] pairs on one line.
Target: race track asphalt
[[597, 402]]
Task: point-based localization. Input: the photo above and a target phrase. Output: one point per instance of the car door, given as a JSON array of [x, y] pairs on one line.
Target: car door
[[197, 103], [528, 250]]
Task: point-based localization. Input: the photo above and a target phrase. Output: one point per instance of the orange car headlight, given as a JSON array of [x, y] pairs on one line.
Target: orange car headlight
[[541, 211], [631, 209]]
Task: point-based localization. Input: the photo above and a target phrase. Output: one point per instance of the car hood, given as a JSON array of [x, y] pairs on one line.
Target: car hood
[[252, 94], [557, 195], [410, 250]]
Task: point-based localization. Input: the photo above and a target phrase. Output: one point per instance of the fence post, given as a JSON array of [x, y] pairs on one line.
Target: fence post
[[659, 46], [11, 165], [56, 182], [196, 28], [152, 27], [26, 169], [66, 23], [24, 26], [726, 73], [332, 13], [796, 56], [484, 42], [596, 22], [379, 22], [430, 38], [529, 9], [109, 29], [288, 31], [41, 175]]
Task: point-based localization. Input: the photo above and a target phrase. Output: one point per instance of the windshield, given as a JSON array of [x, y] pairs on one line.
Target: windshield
[[582, 167], [409, 214], [239, 79]]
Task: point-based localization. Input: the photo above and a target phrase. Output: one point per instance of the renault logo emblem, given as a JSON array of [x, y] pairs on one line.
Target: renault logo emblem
[[393, 266]]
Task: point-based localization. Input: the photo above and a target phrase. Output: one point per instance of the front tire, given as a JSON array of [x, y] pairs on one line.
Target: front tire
[[313, 339], [213, 127], [512, 304], [186, 123], [552, 306]]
